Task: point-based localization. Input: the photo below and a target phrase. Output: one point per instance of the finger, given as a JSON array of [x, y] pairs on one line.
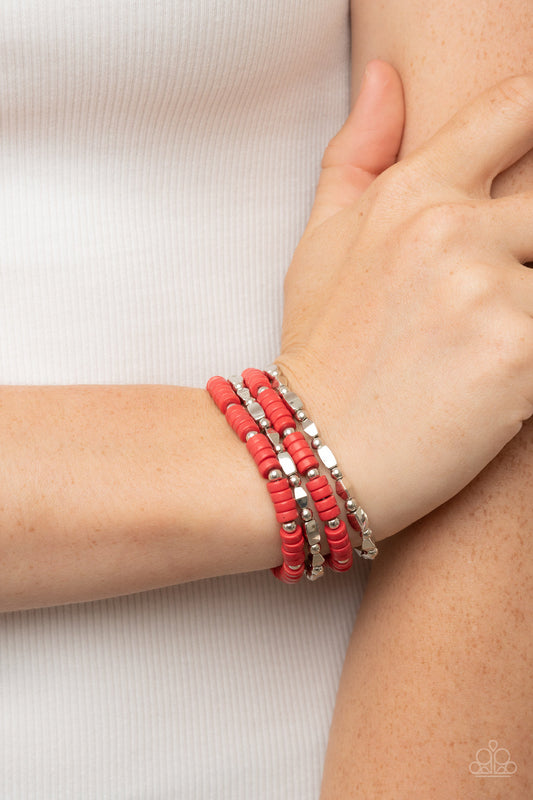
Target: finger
[[366, 145], [510, 219], [483, 139]]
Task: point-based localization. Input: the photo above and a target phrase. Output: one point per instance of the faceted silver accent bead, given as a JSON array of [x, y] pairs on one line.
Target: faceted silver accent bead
[[250, 434], [333, 523], [312, 532], [312, 473], [344, 490], [236, 381], [362, 519], [300, 415], [293, 401], [273, 437], [336, 474], [287, 431], [295, 480], [244, 394], [255, 410], [351, 506], [290, 527], [301, 497], [275, 475], [315, 574], [309, 427], [327, 457], [306, 514], [287, 464], [316, 442]]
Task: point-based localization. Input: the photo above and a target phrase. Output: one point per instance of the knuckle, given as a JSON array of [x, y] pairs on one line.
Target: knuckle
[[439, 225]]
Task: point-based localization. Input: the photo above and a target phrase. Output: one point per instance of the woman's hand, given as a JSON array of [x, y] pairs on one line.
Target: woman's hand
[[407, 322]]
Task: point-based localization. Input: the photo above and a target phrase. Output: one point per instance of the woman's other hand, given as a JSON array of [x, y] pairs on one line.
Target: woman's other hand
[[407, 321]]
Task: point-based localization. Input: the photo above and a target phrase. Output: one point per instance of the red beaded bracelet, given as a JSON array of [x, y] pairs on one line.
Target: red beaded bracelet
[[264, 455]]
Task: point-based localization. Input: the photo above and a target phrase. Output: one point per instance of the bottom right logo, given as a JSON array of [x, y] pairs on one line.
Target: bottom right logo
[[493, 762]]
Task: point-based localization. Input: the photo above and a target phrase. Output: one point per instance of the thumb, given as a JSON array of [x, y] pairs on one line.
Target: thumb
[[365, 146]]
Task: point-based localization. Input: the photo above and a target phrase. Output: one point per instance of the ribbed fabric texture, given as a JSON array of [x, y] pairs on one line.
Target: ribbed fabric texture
[[158, 162]]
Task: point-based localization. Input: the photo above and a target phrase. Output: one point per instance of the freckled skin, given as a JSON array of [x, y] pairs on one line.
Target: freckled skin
[[440, 661]]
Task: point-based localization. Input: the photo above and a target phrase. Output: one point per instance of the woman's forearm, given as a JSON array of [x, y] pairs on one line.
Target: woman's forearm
[[110, 490]]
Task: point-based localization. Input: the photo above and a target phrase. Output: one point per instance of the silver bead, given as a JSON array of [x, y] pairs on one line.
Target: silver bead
[[290, 527], [351, 505], [273, 370], [294, 566], [264, 423], [275, 475], [244, 394], [336, 474], [362, 519], [327, 457], [282, 389], [306, 514], [295, 480], [293, 401], [255, 410], [287, 431], [301, 497], [273, 437], [309, 427], [261, 389], [312, 532], [236, 381], [250, 434], [300, 415], [278, 448], [312, 473], [315, 548], [316, 442], [333, 523], [287, 464]]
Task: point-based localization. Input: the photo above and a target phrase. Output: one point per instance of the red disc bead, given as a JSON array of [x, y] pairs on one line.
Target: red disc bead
[[316, 483], [327, 509], [267, 465], [352, 519], [222, 393], [258, 443], [254, 379], [282, 494], [280, 419], [277, 486], [286, 505], [322, 492], [241, 421], [341, 567], [286, 516]]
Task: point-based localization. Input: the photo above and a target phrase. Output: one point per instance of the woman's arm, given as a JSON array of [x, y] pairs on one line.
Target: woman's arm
[[109, 490], [440, 659]]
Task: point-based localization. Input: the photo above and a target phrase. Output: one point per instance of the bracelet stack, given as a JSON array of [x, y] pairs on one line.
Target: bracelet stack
[[288, 452]]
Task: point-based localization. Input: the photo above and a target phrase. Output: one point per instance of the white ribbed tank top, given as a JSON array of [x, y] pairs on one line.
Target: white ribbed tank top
[[158, 161]]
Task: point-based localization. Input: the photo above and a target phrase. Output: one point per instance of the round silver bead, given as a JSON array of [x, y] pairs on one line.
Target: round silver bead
[[273, 370], [333, 523], [250, 434], [295, 480], [290, 527], [275, 475], [287, 431], [278, 448], [261, 389], [351, 506], [336, 474], [315, 548], [306, 514], [312, 473], [264, 423], [316, 443], [282, 389], [300, 415]]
